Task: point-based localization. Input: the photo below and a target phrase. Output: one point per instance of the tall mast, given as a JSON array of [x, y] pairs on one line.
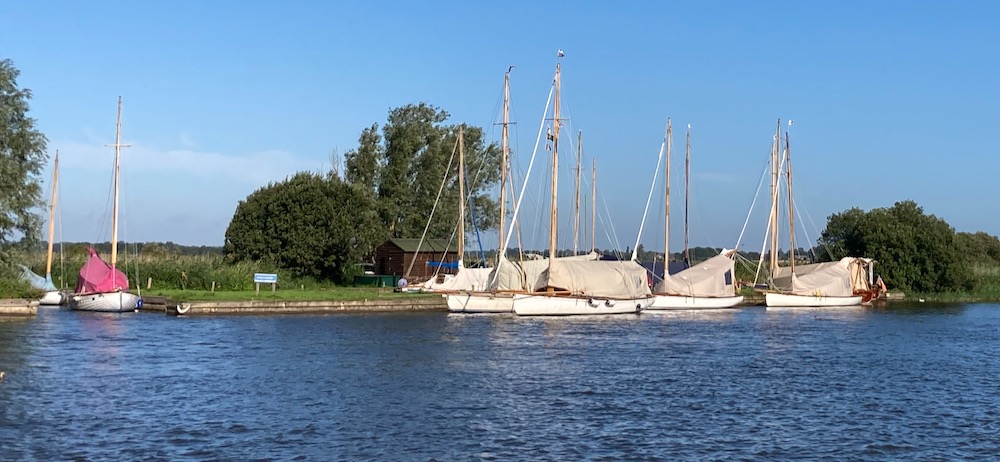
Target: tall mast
[[576, 209], [666, 210], [773, 226], [114, 213], [52, 216], [791, 206], [593, 207], [553, 224], [461, 195], [687, 195], [503, 155]]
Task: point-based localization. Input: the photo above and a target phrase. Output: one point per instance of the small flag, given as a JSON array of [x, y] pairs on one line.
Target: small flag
[[560, 54]]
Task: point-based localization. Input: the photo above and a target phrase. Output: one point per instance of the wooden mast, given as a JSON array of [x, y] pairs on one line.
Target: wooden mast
[[461, 195], [576, 209], [666, 210], [791, 205], [114, 213], [774, 199], [687, 195], [503, 155], [553, 216], [52, 217], [593, 207]]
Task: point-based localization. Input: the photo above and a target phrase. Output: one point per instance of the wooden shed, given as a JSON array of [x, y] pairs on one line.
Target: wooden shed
[[395, 255]]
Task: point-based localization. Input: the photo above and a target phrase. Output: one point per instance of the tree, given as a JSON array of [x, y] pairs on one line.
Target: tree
[[403, 168], [22, 156], [313, 225], [914, 251]]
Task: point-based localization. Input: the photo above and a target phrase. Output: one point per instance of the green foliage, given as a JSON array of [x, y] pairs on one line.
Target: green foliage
[[22, 156], [914, 251], [313, 226], [979, 248], [402, 169]]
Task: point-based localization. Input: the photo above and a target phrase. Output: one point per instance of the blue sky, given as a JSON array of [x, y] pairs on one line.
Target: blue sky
[[892, 100]]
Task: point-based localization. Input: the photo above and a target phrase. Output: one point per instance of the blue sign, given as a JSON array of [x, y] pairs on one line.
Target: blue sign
[[265, 278]]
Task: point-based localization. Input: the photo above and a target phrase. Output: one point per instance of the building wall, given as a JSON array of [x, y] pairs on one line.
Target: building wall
[[391, 260]]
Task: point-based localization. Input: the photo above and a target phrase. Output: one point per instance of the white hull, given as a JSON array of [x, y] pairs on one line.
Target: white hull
[[53, 298], [774, 300], [682, 302], [543, 305], [114, 302], [479, 303]]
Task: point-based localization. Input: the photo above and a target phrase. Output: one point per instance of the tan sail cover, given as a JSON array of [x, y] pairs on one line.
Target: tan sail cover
[[471, 279], [830, 279], [596, 278], [710, 278], [526, 275]]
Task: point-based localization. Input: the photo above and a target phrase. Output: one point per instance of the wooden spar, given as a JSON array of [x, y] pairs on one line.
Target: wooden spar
[[687, 195], [553, 224], [593, 207], [666, 210], [461, 196], [52, 217], [504, 154], [114, 213], [576, 209], [791, 205], [774, 199]]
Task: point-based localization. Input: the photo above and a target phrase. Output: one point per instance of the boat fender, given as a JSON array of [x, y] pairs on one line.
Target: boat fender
[[138, 304], [609, 303], [182, 308], [592, 303]]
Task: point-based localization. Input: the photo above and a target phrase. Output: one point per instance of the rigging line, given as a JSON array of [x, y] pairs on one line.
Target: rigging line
[[520, 197], [649, 198], [434, 208], [517, 204], [764, 173]]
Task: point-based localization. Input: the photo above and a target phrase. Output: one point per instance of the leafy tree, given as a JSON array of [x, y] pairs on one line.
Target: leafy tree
[[22, 156], [403, 167], [979, 248], [313, 225], [914, 251]]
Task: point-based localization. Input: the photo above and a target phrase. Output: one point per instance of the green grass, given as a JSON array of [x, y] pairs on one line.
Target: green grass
[[335, 293]]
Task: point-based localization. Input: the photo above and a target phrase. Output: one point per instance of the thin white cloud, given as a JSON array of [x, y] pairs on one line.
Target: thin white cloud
[[253, 168]]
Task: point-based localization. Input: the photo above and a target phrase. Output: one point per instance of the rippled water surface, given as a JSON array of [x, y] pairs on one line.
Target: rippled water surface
[[907, 383]]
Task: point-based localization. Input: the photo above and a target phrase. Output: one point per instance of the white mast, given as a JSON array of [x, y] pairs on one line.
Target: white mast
[[666, 210], [553, 224], [576, 209], [52, 217]]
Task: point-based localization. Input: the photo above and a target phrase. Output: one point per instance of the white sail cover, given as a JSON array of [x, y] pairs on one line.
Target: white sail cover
[[830, 279], [472, 279], [596, 278], [526, 275], [710, 278]]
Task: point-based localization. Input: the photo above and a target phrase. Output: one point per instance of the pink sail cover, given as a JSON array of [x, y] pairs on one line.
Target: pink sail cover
[[96, 276]]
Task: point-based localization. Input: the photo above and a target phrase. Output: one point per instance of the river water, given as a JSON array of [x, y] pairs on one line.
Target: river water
[[917, 382]]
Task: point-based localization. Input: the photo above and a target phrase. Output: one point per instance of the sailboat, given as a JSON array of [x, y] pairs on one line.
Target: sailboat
[[53, 296], [706, 285], [838, 283], [569, 286], [102, 286]]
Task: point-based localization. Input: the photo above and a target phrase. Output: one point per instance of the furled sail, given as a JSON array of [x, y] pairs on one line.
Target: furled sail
[[97, 276]]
